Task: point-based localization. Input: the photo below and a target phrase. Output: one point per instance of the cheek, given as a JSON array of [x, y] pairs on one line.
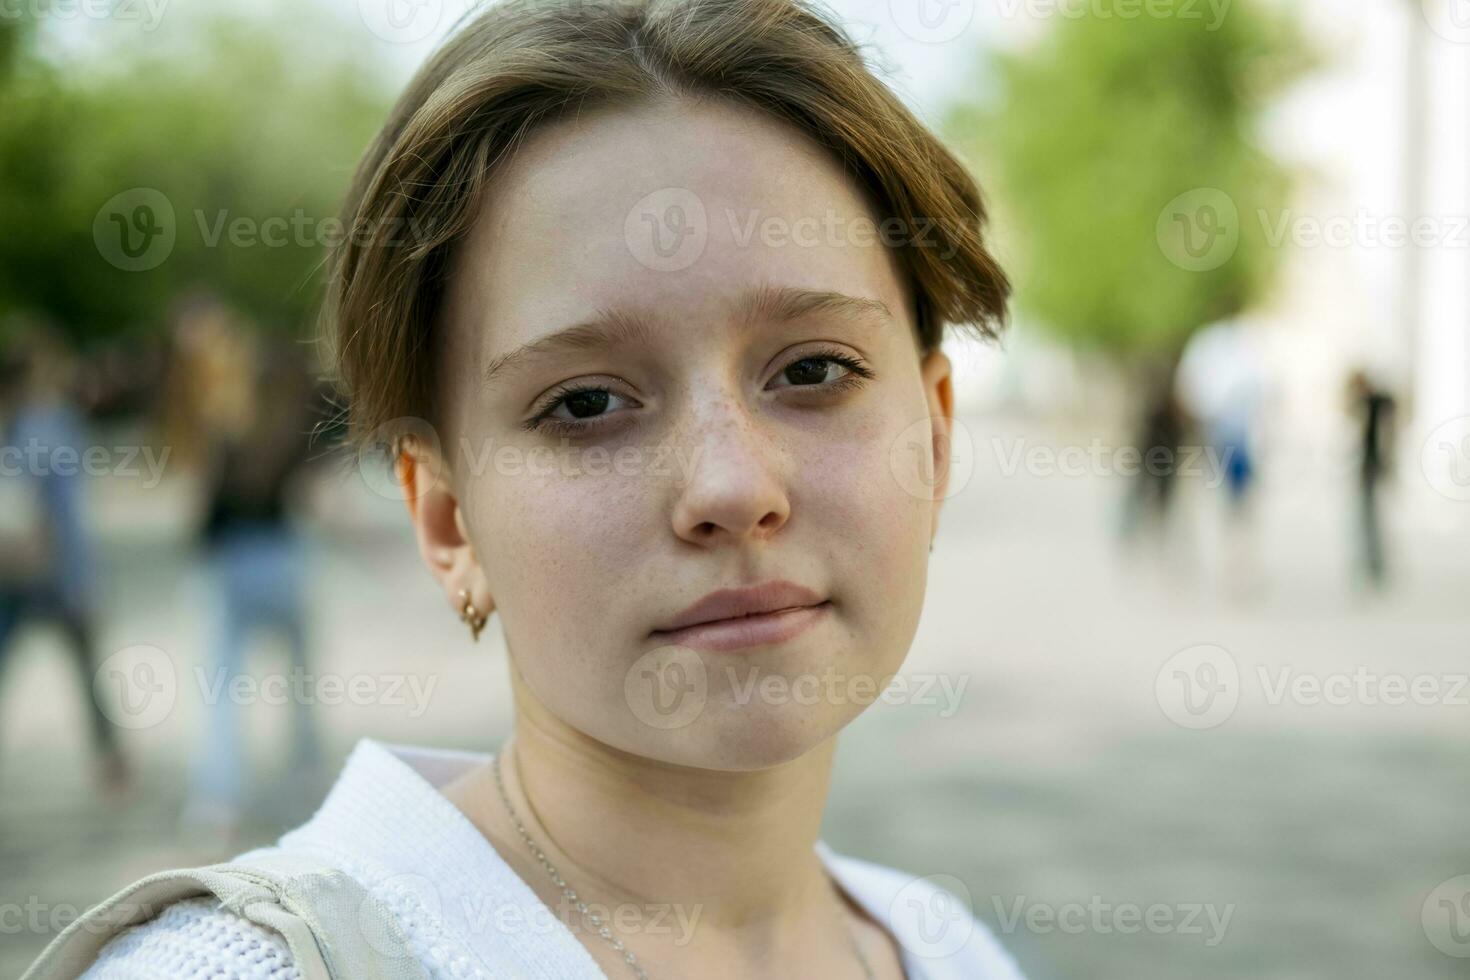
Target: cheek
[[874, 531], [554, 547]]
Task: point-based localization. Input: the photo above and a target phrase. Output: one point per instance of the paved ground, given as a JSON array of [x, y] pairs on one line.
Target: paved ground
[[1100, 838]]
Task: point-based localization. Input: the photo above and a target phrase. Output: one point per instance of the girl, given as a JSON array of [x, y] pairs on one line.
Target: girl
[[647, 298]]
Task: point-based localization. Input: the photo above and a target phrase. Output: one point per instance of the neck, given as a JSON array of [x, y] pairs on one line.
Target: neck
[[737, 846]]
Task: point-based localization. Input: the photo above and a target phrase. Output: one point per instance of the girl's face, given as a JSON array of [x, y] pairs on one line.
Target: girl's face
[[736, 404]]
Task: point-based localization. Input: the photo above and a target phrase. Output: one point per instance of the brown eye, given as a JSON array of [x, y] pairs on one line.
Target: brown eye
[[573, 410], [829, 370], [585, 404], [810, 370]]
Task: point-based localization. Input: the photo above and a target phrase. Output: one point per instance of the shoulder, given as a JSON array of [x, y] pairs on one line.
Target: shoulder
[[930, 916], [195, 939]]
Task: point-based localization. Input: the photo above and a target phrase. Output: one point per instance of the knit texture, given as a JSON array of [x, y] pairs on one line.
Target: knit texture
[[195, 939], [467, 915]]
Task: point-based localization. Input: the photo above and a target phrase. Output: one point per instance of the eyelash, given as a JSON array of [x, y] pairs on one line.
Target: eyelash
[[858, 375]]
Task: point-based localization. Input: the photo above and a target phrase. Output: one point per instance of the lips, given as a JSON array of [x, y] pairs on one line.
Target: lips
[[748, 601], [729, 619]]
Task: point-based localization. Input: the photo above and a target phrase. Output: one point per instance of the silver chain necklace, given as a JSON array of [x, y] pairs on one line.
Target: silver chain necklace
[[593, 917]]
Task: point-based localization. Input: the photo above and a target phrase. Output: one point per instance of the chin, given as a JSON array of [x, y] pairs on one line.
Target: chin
[[735, 713], [737, 737]]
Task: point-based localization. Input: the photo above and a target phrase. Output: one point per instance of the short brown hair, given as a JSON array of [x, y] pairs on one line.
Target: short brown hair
[[523, 63]]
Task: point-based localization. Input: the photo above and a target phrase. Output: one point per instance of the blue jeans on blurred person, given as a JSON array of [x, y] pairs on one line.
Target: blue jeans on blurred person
[[47, 600], [257, 572], [65, 591]]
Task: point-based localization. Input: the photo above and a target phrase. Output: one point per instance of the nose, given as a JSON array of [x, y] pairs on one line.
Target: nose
[[737, 489]]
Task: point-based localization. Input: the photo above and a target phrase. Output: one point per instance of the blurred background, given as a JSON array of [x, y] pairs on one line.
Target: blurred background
[[1200, 597]]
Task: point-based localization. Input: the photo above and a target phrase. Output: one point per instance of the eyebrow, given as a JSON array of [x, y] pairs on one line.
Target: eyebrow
[[761, 304]]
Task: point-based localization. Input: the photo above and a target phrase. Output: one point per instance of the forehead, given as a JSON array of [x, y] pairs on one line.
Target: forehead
[[676, 207]]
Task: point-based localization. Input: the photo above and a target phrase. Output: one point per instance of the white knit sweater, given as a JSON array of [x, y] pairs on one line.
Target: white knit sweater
[[386, 824]]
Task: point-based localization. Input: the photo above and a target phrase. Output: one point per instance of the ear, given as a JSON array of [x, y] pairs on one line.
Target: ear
[[934, 371], [439, 527]]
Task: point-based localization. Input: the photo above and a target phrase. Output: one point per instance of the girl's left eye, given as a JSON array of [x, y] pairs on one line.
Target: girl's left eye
[[816, 370]]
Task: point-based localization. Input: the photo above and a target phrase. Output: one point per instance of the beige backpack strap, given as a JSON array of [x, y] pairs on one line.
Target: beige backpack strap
[[336, 929]]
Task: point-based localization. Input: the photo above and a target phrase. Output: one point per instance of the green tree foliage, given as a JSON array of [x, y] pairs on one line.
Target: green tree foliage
[[13, 33], [232, 122], [1093, 131]]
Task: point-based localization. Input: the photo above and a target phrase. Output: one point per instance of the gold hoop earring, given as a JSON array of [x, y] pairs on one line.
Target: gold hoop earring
[[468, 614]]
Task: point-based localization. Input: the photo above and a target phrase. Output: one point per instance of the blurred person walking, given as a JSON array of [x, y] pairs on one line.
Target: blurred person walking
[[1222, 379], [254, 419], [1374, 410], [1148, 511], [49, 572]]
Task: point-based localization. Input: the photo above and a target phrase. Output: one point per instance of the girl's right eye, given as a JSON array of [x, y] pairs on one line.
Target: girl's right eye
[[573, 409]]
